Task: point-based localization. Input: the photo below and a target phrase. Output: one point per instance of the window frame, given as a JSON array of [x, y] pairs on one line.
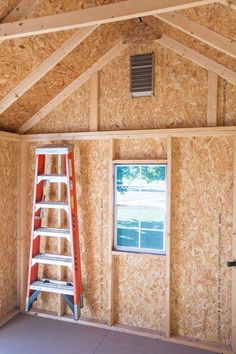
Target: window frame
[[138, 250]]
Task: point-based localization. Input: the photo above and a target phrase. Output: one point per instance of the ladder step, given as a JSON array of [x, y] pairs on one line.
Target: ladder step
[[53, 286], [52, 178], [54, 150], [51, 232], [52, 205], [52, 259]]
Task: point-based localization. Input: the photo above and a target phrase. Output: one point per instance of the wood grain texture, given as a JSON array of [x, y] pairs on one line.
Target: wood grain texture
[[9, 155], [201, 238]]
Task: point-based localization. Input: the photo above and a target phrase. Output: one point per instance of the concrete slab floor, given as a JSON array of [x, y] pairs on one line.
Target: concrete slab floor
[[34, 335]]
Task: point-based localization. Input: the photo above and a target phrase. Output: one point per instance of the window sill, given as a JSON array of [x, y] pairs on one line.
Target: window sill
[[126, 253]]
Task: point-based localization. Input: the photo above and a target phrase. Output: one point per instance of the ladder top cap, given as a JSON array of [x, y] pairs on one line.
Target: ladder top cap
[[54, 150]]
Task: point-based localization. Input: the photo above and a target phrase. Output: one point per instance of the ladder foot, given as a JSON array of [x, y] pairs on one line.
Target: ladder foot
[[27, 305], [76, 312]]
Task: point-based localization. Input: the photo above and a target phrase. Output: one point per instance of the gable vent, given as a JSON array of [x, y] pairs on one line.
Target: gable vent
[[141, 68]]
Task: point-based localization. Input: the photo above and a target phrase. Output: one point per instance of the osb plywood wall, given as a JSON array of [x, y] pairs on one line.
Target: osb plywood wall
[[201, 238], [140, 282], [202, 178], [8, 226], [169, 107]]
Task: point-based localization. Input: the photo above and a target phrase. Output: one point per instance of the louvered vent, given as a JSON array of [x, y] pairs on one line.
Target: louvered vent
[[141, 68]]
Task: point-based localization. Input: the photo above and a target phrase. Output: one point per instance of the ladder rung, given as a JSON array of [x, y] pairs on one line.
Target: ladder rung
[[52, 205], [53, 286], [52, 259], [52, 178], [54, 150], [51, 232]]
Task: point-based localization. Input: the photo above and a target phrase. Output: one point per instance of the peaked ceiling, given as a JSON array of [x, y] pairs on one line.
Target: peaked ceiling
[[19, 57]]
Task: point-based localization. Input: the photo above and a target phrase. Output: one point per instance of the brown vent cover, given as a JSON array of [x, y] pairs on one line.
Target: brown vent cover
[[141, 68]]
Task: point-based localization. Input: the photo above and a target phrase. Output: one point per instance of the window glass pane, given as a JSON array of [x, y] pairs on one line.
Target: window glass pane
[[127, 216], [140, 206], [127, 175], [127, 237], [152, 218], [152, 175], [152, 239], [127, 196], [154, 198]]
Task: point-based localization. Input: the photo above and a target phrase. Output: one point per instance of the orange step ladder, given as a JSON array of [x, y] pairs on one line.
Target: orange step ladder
[[71, 291]]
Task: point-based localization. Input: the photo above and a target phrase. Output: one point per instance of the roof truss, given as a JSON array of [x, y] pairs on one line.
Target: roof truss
[[204, 34], [47, 65], [73, 86], [124, 10]]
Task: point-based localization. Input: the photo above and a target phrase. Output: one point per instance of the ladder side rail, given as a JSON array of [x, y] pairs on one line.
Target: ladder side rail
[[36, 223]]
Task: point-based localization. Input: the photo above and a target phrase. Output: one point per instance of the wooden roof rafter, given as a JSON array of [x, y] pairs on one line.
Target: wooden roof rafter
[[48, 64], [204, 34], [119, 11], [73, 86]]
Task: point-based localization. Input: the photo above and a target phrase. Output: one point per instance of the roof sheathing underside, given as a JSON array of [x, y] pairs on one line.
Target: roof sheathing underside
[[20, 57]]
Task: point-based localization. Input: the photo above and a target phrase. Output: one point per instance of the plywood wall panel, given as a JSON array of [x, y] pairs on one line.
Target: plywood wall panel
[[216, 17], [141, 149], [9, 154], [201, 238], [140, 291], [226, 103], [72, 115], [170, 106]]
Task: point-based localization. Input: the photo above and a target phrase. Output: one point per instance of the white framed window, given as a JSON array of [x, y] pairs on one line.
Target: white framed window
[[140, 204]]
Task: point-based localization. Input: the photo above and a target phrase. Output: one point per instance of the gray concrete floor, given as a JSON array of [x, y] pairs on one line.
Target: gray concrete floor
[[35, 335]]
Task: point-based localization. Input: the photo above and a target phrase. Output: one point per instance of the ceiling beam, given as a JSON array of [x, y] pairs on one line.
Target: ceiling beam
[[73, 86], [204, 34], [47, 65], [124, 10]]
